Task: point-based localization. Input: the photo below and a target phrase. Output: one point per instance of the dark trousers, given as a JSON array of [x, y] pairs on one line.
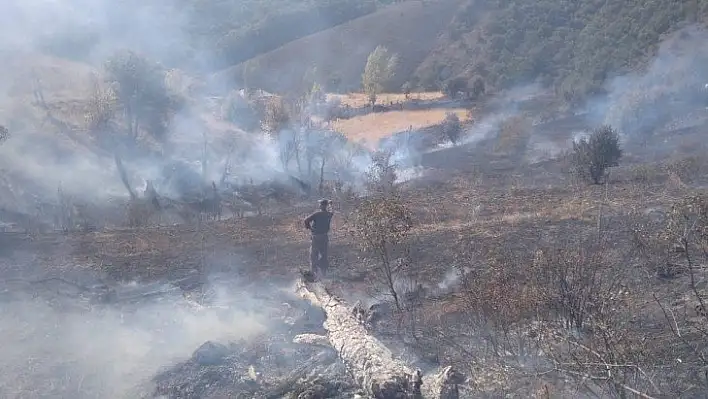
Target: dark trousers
[[318, 253]]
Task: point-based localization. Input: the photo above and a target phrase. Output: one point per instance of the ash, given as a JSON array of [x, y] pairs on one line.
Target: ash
[[169, 340]]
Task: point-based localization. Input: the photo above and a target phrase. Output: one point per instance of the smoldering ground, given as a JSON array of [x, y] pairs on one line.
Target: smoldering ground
[[53, 349], [671, 88]]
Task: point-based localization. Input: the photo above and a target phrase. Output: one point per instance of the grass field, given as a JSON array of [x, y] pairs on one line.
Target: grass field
[[373, 127], [356, 100]]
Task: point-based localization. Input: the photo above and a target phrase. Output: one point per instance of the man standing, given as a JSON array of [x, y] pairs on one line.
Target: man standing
[[318, 223]]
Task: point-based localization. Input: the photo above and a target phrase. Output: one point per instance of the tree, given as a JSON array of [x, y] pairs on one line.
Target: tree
[[452, 127], [381, 176], [478, 87], [141, 92], [381, 225], [4, 133], [407, 88], [276, 116], [380, 68], [592, 156], [453, 87], [101, 108]]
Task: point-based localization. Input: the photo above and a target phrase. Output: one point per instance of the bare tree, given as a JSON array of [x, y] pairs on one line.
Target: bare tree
[[381, 176], [101, 107], [406, 89], [276, 116], [382, 225]]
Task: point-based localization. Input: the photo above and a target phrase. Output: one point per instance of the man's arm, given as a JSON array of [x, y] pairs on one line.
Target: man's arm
[[308, 221]]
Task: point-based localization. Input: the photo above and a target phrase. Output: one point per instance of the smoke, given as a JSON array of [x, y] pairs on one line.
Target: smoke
[[669, 89], [110, 352]]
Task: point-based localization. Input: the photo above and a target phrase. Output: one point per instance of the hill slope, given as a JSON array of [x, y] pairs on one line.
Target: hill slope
[[570, 46], [410, 29]]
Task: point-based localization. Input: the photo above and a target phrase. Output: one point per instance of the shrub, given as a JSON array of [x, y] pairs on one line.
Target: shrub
[[452, 127], [592, 156]]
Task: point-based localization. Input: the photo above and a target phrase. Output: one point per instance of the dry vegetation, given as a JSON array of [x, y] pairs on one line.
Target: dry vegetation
[[375, 126], [356, 100]]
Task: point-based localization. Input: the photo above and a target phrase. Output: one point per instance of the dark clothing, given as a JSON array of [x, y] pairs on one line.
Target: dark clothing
[[319, 222], [318, 253]]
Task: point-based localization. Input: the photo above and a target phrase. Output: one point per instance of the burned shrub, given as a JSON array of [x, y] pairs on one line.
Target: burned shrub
[[382, 224]]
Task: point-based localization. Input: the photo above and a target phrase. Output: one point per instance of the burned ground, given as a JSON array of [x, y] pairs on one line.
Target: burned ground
[[484, 232]]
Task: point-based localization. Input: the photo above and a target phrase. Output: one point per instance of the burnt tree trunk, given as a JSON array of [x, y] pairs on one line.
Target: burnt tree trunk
[[373, 365]]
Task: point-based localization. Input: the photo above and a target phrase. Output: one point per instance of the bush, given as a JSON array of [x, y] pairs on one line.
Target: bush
[[381, 225], [592, 156], [454, 87], [452, 127]]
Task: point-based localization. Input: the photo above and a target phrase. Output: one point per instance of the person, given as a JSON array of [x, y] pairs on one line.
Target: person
[[319, 223]]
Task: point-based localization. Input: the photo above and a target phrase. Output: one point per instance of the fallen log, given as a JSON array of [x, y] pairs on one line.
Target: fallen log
[[291, 380], [370, 362]]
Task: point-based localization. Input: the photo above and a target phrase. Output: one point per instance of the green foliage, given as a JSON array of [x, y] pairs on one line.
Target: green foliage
[[454, 87], [478, 87], [594, 155], [140, 89], [380, 68], [571, 46], [452, 127]]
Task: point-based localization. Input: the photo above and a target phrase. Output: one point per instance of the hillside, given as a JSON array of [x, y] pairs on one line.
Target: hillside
[[572, 47], [411, 29]]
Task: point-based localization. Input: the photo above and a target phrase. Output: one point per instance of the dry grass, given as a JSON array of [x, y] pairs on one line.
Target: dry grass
[[357, 100], [373, 127], [60, 79]]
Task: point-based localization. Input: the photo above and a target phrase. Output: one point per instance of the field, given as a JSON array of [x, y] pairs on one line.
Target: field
[[357, 100], [373, 127]]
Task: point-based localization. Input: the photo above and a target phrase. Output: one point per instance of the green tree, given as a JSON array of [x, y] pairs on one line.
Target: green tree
[[478, 87], [452, 127], [453, 87], [592, 156], [141, 92], [379, 70]]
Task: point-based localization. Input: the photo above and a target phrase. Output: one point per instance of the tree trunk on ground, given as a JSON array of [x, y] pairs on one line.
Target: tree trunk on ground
[[370, 362]]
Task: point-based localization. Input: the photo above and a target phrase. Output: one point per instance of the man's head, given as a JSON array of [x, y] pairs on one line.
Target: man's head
[[323, 204]]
